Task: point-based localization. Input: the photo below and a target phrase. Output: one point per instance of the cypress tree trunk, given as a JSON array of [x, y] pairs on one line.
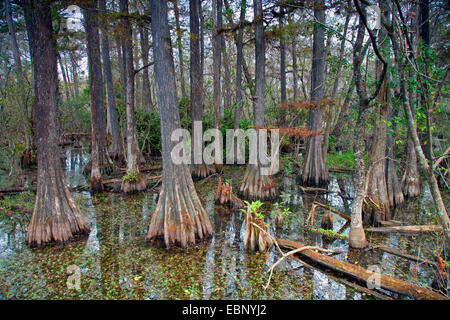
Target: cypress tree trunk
[[180, 48], [198, 171], [202, 42], [410, 178], [282, 58], [134, 181], [146, 91], [315, 172], [56, 217], [424, 37], [377, 188], [326, 138], [99, 156], [25, 123], [357, 237], [255, 185], [117, 149], [75, 75], [394, 188], [294, 67], [217, 59], [226, 77], [239, 57], [442, 214], [179, 217], [377, 185], [64, 75]]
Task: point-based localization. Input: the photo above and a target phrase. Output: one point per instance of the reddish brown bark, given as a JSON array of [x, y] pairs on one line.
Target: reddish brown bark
[[56, 217]]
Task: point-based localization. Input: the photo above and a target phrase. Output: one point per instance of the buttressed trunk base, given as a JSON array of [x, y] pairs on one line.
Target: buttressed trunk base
[[357, 238], [255, 186], [201, 171], [56, 217], [179, 218], [133, 185]]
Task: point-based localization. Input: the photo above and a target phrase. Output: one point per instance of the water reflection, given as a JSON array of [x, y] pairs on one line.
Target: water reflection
[[117, 263]]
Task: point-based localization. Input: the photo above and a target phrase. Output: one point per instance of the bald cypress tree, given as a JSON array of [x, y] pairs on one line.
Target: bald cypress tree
[[202, 170], [315, 172], [255, 185], [134, 181], [99, 156], [56, 217], [179, 217]]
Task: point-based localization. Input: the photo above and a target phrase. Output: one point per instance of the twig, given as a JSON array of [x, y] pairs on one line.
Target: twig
[[285, 255]]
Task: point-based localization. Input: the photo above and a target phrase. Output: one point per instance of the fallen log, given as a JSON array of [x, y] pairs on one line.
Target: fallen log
[[356, 286], [362, 274], [408, 229]]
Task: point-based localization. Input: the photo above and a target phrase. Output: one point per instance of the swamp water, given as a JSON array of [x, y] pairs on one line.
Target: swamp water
[[115, 261]]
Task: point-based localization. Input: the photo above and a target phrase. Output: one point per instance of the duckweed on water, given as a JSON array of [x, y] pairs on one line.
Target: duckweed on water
[[115, 261]]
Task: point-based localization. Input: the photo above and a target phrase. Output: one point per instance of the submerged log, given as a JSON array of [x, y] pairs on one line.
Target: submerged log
[[408, 229], [224, 196], [362, 274]]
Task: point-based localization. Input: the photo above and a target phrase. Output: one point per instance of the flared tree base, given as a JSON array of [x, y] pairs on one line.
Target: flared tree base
[[224, 196], [106, 169], [256, 239], [396, 200], [357, 238], [316, 182], [133, 186], [55, 221], [117, 158], [411, 187], [179, 217], [201, 171], [255, 186], [374, 211], [96, 184]]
